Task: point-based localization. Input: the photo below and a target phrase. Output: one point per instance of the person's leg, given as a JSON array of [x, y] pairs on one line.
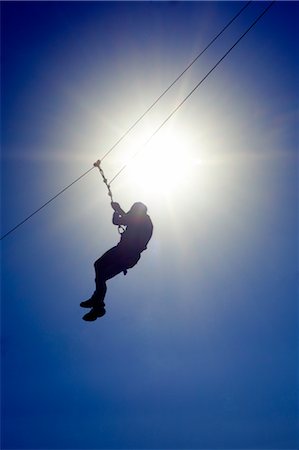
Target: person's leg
[[100, 266], [100, 281], [106, 267], [96, 302]]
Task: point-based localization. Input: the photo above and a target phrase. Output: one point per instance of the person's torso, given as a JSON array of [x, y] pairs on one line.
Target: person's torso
[[137, 234]]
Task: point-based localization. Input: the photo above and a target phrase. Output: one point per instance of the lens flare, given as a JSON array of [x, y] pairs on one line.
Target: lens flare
[[164, 165]]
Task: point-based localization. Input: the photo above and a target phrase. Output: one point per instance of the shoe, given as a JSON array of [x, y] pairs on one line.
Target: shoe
[[92, 302], [94, 314], [88, 303]]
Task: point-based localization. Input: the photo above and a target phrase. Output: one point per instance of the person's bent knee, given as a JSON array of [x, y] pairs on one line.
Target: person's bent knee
[[98, 265]]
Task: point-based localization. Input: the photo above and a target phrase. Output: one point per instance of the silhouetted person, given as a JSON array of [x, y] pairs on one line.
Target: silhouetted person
[[123, 256]]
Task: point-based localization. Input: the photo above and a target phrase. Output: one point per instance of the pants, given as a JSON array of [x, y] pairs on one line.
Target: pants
[[113, 262]]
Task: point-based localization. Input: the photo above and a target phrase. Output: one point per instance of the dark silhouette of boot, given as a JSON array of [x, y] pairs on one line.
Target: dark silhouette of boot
[[88, 303], [94, 314], [93, 301]]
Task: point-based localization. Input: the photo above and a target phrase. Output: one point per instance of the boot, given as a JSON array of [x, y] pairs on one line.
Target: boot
[[88, 303], [94, 313], [91, 302]]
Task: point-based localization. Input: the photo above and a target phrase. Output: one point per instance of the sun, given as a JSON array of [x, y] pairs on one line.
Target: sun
[[164, 166]]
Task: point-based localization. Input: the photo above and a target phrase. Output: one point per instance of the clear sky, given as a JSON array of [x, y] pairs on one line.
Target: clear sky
[[199, 346]]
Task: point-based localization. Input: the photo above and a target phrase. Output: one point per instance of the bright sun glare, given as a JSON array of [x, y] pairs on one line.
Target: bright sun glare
[[164, 165]]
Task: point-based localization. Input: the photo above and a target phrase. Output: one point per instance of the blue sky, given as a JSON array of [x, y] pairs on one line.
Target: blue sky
[[199, 346]]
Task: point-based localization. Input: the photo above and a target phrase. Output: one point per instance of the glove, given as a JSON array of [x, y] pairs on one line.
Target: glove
[[116, 207]]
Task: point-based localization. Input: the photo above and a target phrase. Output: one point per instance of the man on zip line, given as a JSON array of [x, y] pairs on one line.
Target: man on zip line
[[123, 256]]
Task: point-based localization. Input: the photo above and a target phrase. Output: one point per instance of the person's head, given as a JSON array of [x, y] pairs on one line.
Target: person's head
[[138, 209]]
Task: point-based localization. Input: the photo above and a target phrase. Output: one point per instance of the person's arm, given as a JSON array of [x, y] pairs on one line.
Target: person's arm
[[119, 215], [117, 208]]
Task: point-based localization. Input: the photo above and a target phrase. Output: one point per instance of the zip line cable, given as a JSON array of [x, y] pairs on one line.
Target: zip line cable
[[194, 89], [136, 122], [177, 79], [163, 123], [45, 204]]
